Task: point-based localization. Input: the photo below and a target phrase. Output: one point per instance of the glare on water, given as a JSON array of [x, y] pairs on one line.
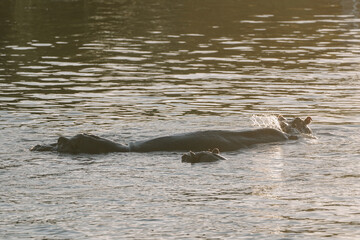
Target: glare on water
[[133, 70]]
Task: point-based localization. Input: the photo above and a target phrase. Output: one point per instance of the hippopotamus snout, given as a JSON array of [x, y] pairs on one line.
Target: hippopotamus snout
[[203, 156]]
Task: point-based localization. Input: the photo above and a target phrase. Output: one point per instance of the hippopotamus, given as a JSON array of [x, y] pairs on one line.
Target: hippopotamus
[[203, 156], [195, 141]]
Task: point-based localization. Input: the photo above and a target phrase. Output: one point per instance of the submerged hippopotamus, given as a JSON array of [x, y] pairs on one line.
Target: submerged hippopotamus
[[203, 156], [195, 141]]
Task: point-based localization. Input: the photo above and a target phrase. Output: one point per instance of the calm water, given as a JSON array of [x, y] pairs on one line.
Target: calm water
[[129, 70]]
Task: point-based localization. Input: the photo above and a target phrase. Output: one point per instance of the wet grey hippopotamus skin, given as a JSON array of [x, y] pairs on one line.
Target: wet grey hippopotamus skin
[[195, 141], [203, 156]]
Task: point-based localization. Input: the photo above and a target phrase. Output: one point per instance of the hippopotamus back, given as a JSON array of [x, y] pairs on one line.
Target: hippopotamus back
[[203, 140]]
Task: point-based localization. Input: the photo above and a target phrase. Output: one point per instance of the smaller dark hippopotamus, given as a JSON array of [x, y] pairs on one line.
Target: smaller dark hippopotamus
[[203, 156]]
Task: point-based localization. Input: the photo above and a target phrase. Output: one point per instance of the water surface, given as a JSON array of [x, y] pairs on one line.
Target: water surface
[[130, 70]]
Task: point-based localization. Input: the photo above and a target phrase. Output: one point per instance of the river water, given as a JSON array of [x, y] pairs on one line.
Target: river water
[[131, 70]]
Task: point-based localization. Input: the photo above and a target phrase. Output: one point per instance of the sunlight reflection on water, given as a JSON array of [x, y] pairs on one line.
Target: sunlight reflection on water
[[132, 70]]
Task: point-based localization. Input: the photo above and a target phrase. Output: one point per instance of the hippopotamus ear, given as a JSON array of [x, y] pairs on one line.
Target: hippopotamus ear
[[216, 151], [281, 118], [307, 120]]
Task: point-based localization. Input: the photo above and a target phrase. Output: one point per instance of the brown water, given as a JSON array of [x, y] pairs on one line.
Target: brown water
[[129, 70]]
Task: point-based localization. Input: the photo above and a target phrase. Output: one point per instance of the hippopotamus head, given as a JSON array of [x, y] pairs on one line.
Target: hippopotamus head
[[87, 143], [81, 143], [203, 156], [295, 126], [302, 125]]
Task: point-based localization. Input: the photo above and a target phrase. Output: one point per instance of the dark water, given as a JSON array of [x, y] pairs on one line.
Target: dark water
[[129, 70]]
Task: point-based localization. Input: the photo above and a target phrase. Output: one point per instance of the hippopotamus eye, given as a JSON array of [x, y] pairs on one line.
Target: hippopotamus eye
[[296, 123]]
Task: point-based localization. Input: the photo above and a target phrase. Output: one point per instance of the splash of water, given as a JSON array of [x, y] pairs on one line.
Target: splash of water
[[271, 121], [266, 121]]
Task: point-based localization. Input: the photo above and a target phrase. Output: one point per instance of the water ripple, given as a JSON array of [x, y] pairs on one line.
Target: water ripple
[[132, 70]]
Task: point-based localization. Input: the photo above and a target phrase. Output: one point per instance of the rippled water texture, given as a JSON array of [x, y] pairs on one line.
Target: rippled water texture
[[130, 70]]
